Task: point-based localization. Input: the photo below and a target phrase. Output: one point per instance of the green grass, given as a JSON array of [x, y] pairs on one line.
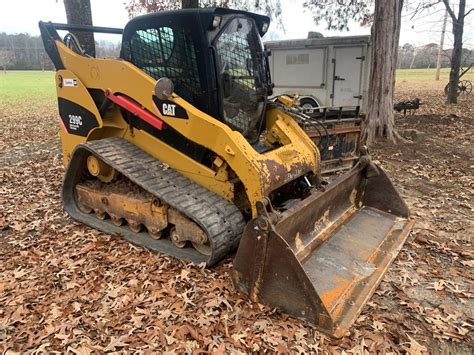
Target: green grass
[[428, 74], [36, 86]]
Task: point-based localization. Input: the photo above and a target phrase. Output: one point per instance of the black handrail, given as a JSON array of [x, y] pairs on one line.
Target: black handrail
[[86, 28]]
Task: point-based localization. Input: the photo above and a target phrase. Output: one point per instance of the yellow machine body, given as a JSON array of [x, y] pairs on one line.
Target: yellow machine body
[[260, 173]]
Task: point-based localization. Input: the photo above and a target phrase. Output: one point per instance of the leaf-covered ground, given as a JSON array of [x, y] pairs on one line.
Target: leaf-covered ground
[[67, 287]]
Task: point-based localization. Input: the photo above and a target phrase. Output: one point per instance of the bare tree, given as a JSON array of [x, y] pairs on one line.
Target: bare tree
[[7, 58], [427, 53], [405, 55], [337, 14], [458, 30], [79, 12], [458, 21]]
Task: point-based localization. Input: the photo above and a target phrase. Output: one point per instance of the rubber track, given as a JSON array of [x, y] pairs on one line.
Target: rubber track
[[219, 218]]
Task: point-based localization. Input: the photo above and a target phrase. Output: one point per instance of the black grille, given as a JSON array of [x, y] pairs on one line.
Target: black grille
[[168, 52]]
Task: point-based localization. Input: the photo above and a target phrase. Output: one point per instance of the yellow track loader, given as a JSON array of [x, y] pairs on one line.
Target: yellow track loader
[[175, 146]]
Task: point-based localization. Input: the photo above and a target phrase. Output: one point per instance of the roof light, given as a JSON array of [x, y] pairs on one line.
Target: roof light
[[216, 21], [264, 28]]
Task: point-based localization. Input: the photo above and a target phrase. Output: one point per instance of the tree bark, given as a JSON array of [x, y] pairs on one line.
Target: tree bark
[[458, 29], [379, 121], [186, 4], [79, 12]]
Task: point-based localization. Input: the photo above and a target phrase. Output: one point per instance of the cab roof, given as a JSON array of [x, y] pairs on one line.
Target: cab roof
[[205, 16]]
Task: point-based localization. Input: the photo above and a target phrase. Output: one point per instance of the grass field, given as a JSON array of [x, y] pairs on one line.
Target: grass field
[[34, 91], [428, 75], [37, 85], [26, 85]]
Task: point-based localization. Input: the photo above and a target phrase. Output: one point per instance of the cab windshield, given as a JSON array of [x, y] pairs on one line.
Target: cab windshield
[[240, 68]]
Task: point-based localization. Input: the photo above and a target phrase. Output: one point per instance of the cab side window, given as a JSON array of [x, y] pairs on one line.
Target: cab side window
[[168, 52]]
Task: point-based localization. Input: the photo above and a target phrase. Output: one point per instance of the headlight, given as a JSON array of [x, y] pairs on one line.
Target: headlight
[[265, 27]]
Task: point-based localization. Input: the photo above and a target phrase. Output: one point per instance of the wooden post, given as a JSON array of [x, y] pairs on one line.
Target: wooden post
[[441, 43]]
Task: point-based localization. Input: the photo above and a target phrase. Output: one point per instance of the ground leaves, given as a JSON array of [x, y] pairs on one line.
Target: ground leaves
[[67, 287]]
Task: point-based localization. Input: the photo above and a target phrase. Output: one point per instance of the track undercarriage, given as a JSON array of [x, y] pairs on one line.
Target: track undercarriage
[[127, 204], [121, 190]]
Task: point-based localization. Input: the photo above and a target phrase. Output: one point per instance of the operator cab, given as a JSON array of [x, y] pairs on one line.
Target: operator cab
[[214, 56]]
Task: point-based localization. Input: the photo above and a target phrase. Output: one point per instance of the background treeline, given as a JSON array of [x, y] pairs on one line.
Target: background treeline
[[411, 57], [25, 52]]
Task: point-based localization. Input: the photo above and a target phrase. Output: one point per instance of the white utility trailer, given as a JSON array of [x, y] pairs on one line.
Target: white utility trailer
[[327, 71]]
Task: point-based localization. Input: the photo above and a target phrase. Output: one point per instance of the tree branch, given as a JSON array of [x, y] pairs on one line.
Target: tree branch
[[450, 11], [467, 13], [421, 7]]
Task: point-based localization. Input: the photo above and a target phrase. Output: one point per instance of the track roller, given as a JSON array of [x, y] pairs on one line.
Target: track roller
[[116, 220], [100, 215], [134, 226], [99, 169], [174, 236], [155, 233]]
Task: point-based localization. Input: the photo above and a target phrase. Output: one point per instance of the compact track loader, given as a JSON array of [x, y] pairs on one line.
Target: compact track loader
[[175, 147]]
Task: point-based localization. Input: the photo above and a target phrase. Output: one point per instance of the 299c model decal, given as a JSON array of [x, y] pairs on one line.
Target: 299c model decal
[[77, 119]]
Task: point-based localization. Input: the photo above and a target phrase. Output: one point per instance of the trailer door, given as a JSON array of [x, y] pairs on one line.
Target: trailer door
[[347, 70]]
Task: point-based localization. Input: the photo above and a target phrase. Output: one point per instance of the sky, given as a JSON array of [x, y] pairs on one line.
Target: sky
[[19, 16]]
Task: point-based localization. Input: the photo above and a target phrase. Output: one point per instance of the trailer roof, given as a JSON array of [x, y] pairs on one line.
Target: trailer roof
[[317, 42]]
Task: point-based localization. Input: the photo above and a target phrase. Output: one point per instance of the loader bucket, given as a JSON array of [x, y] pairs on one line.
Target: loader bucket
[[323, 258]]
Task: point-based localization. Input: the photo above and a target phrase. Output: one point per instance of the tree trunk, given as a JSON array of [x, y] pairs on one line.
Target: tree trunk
[[413, 59], [385, 35], [458, 29], [186, 4], [79, 12], [27, 53]]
